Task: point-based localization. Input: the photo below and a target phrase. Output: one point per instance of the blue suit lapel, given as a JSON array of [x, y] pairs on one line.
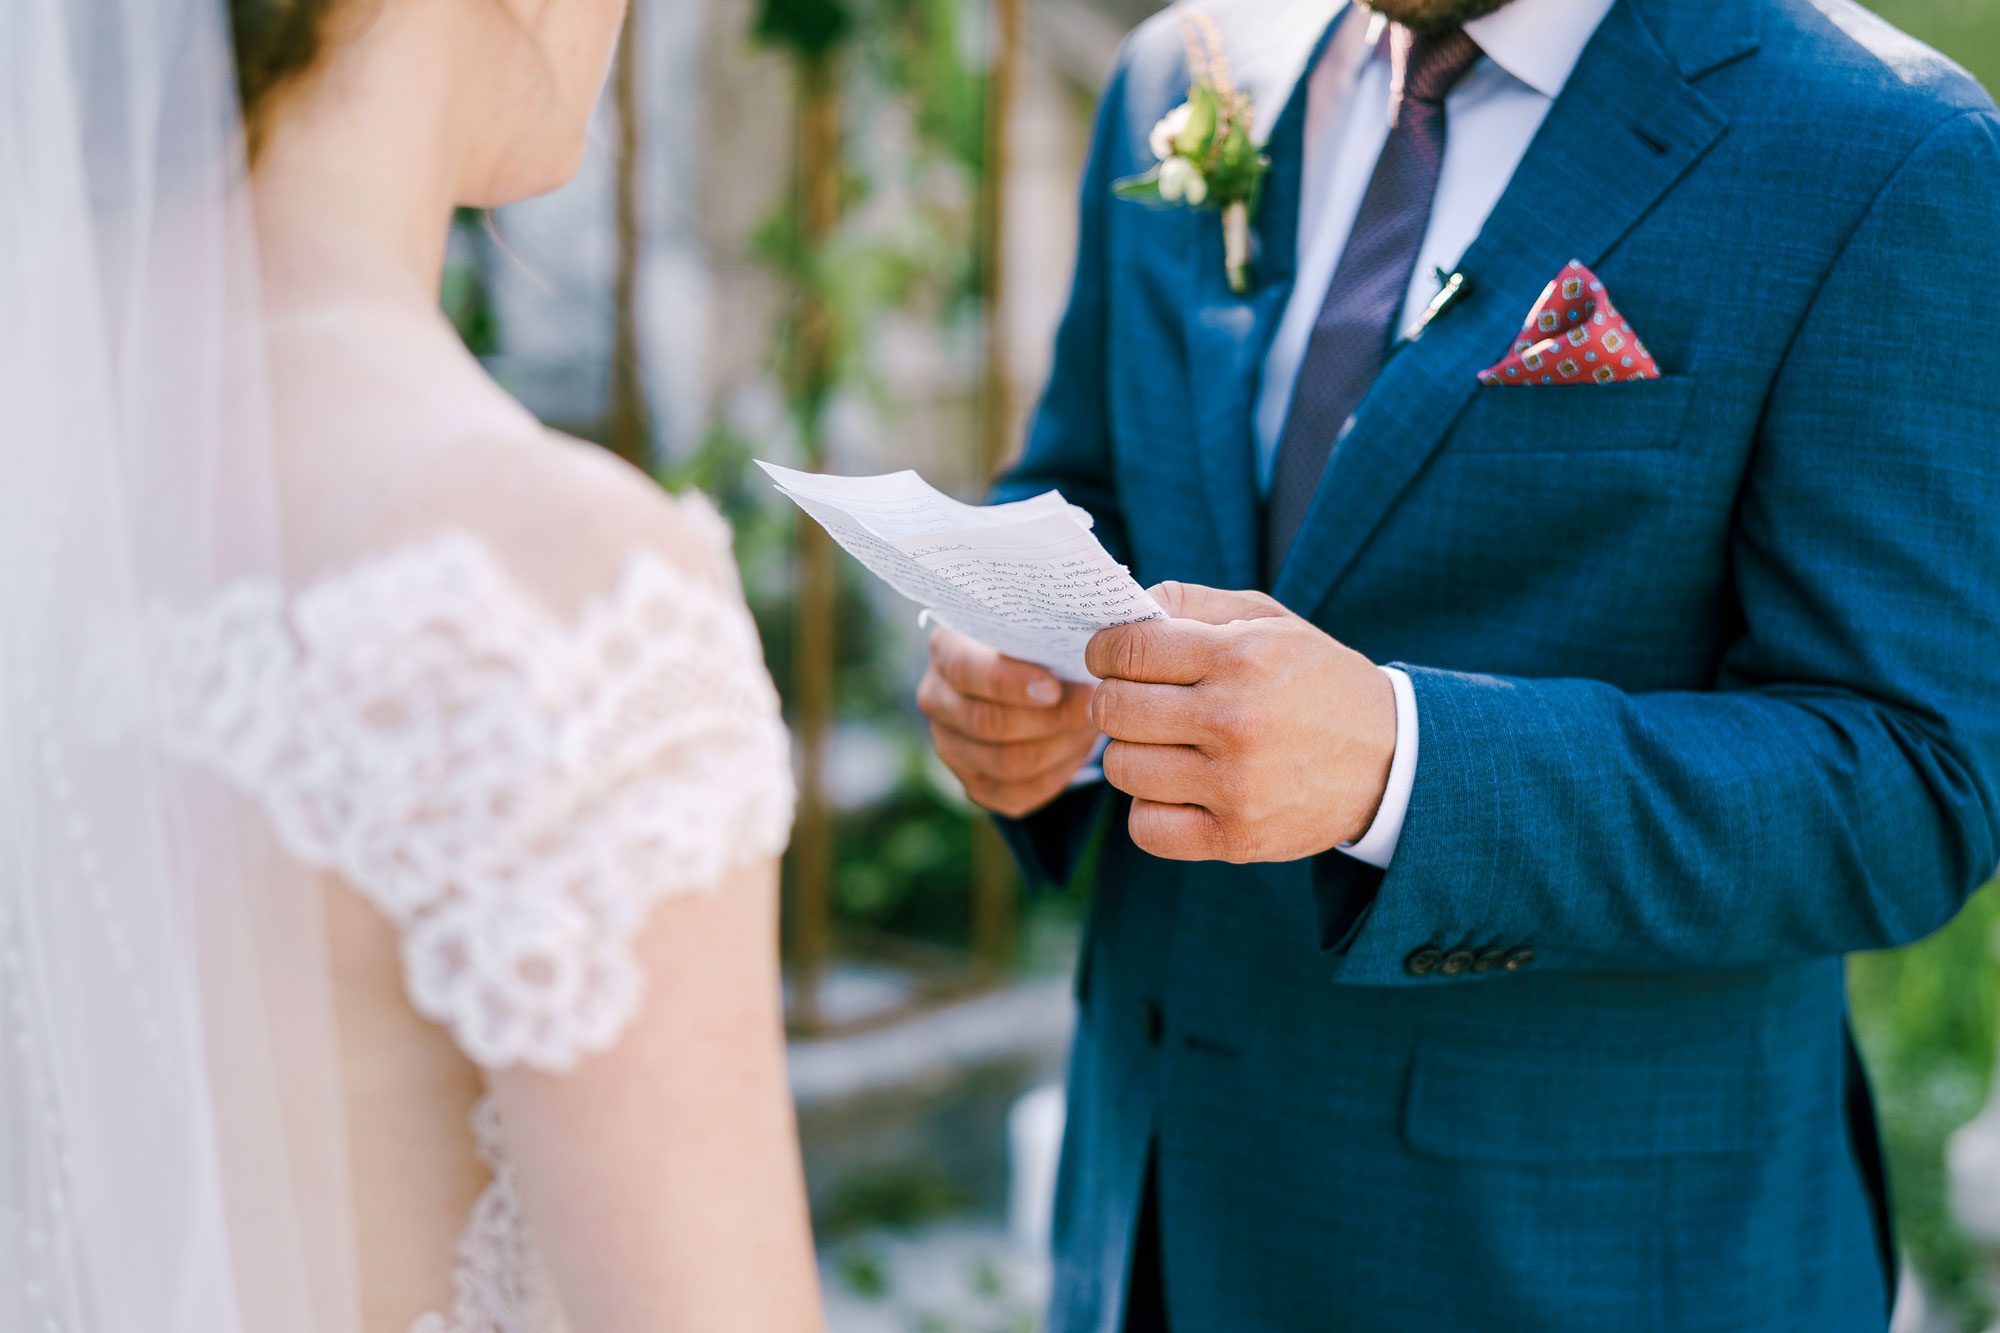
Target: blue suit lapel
[[1625, 128], [1227, 334]]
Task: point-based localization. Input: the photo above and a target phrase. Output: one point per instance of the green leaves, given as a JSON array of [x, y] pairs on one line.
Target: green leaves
[[811, 28], [1144, 187], [1925, 1018], [1198, 135], [1236, 167], [1207, 156]]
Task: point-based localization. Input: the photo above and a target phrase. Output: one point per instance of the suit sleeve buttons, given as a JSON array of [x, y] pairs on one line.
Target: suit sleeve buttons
[[1422, 962], [1433, 961]]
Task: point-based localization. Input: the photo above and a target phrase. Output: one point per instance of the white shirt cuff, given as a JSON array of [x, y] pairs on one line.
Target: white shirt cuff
[[1378, 845]]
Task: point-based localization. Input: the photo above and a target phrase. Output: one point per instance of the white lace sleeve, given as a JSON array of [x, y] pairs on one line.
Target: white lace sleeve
[[513, 792]]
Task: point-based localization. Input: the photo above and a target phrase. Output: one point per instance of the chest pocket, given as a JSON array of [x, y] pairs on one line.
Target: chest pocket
[[1636, 416]]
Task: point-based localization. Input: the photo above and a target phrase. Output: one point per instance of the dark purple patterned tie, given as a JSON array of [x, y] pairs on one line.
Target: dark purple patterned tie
[[1350, 338]]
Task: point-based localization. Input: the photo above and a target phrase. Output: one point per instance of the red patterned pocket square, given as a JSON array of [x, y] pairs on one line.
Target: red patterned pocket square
[[1574, 335]]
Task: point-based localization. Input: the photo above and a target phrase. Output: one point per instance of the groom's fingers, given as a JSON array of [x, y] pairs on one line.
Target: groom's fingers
[[1012, 732], [1013, 761], [1127, 710], [1161, 652], [1013, 780], [980, 672], [1179, 832], [984, 720], [1166, 774], [1015, 800], [1214, 606]]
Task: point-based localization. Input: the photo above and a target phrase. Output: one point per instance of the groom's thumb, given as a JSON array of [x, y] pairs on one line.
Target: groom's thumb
[[1214, 606]]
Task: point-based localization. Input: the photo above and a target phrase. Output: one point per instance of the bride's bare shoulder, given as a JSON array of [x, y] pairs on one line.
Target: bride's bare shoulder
[[393, 436], [566, 519]]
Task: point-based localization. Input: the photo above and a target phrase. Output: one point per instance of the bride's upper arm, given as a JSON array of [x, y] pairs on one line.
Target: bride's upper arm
[[619, 976], [530, 714]]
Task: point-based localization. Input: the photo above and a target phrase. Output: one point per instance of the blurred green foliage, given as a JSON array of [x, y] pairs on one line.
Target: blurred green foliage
[[1928, 1018], [902, 862], [463, 294], [892, 1198], [1966, 30], [809, 27], [862, 1272]]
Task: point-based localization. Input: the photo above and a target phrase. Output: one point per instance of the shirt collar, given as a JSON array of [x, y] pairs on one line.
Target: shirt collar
[[1536, 41]]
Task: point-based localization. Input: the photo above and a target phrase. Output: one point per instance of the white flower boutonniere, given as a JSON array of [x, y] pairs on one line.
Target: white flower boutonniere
[[1207, 158]]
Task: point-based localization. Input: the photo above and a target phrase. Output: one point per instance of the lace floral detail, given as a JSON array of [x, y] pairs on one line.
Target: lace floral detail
[[500, 1282], [513, 793]]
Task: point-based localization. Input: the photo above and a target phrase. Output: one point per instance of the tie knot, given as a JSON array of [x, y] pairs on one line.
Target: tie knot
[[1423, 66]]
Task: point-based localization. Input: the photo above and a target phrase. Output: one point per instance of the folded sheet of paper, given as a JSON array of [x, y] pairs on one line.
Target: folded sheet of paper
[[1028, 578]]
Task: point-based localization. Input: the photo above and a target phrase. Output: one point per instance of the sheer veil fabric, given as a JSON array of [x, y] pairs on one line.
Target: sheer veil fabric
[[171, 1155]]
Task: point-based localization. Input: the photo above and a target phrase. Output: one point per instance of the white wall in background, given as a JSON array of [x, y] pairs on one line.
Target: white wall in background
[[551, 289], [716, 165], [553, 295]]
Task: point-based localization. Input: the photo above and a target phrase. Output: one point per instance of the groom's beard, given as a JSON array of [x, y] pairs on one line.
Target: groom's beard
[[1426, 16]]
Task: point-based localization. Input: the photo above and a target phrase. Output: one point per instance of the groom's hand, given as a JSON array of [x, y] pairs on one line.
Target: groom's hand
[[1013, 733], [1243, 732]]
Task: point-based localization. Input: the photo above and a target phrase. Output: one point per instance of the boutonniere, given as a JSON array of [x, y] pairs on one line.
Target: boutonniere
[[1207, 158]]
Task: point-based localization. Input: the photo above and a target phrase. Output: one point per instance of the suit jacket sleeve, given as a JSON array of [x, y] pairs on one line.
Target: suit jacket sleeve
[[1069, 449], [1836, 790]]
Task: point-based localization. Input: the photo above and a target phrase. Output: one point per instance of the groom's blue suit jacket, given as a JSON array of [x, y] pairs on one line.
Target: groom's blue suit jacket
[[1708, 674]]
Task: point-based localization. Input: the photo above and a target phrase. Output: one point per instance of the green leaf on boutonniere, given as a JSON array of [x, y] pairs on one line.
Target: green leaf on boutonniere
[[1236, 168], [1144, 187], [1204, 111]]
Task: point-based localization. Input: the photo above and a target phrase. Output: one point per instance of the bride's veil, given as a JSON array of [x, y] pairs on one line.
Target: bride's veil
[[171, 1148]]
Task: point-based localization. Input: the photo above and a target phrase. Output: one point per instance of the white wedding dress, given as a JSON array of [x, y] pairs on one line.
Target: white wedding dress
[[512, 788], [356, 734], [513, 792]]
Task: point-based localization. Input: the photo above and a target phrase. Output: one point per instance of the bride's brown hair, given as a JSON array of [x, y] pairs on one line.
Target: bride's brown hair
[[276, 42]]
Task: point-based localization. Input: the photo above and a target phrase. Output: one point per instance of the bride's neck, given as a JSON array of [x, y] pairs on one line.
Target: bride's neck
[[354, 191]]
